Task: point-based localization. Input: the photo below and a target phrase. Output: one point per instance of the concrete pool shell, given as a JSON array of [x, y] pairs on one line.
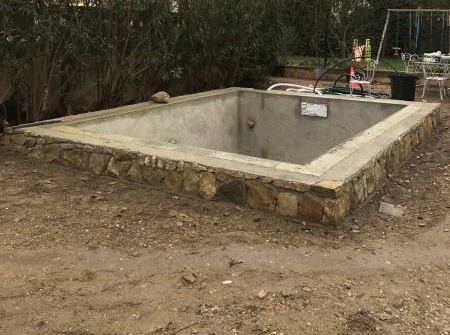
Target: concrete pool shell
[[249, 147]]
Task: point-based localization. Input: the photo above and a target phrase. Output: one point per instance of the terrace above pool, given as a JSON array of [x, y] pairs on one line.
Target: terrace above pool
[[296, 154]]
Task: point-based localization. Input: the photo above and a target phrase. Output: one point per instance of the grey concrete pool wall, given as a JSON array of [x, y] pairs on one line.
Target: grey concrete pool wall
[[279, 132], [210, 123], [345, 157]]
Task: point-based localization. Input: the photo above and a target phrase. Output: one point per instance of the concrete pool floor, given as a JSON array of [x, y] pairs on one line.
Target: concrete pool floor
[[324, 189]]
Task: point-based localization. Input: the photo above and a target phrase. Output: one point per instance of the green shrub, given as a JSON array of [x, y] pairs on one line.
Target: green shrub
[[131, 48]]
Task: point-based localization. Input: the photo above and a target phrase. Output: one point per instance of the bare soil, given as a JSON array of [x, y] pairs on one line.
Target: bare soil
[[83, 255]]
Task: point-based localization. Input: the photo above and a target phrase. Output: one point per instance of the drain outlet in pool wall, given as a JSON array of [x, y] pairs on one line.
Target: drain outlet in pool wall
[[251, 123], [327, 201]]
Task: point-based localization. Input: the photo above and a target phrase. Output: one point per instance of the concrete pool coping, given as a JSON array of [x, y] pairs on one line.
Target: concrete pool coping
[[330, 175]]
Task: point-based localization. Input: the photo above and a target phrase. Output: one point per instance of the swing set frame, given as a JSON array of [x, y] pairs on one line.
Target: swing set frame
[[417, 11]]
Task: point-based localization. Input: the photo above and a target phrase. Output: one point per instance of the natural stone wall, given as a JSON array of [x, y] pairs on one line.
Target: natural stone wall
[[327, 201], [371, 178]]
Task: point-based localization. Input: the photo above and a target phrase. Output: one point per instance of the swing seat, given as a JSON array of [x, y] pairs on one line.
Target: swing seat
[[396, 51]]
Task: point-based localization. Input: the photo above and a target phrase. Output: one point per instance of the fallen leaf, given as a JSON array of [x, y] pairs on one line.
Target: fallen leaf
[[234, 262], [262, 293]]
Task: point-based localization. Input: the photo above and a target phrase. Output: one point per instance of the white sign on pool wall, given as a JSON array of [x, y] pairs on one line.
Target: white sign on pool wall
[[313, 109]]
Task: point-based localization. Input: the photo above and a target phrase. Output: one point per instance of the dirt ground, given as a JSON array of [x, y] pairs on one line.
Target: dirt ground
[[82, 255]]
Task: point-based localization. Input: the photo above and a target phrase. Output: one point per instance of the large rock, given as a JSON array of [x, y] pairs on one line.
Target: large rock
[[405, 146], [232, 191], [173, 181], [51, 153], [22, 150], [287, 204], [98, 163], [37, 152], [414, 137], [259, 195], [393, 162], [336, 210], [359, 190], [207, 186], [134, 173], [160, 97], [421, 133], [191, 179], [29, 142], [153, 177], [311, 208], [76, 158], [171, 165], [118, 168], [377, 175], [18, 139]]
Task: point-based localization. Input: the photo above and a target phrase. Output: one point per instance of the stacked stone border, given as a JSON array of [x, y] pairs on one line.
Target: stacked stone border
[[327, 201]]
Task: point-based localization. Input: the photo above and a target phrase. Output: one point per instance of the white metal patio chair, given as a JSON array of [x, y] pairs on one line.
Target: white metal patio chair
[[411, 62], [364, 77], [435, 72]]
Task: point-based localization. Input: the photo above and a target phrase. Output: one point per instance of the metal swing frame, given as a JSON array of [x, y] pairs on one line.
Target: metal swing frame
[[417, 11]]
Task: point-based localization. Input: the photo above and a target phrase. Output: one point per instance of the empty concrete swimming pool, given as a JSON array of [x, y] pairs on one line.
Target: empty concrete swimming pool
[[306, 156]]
